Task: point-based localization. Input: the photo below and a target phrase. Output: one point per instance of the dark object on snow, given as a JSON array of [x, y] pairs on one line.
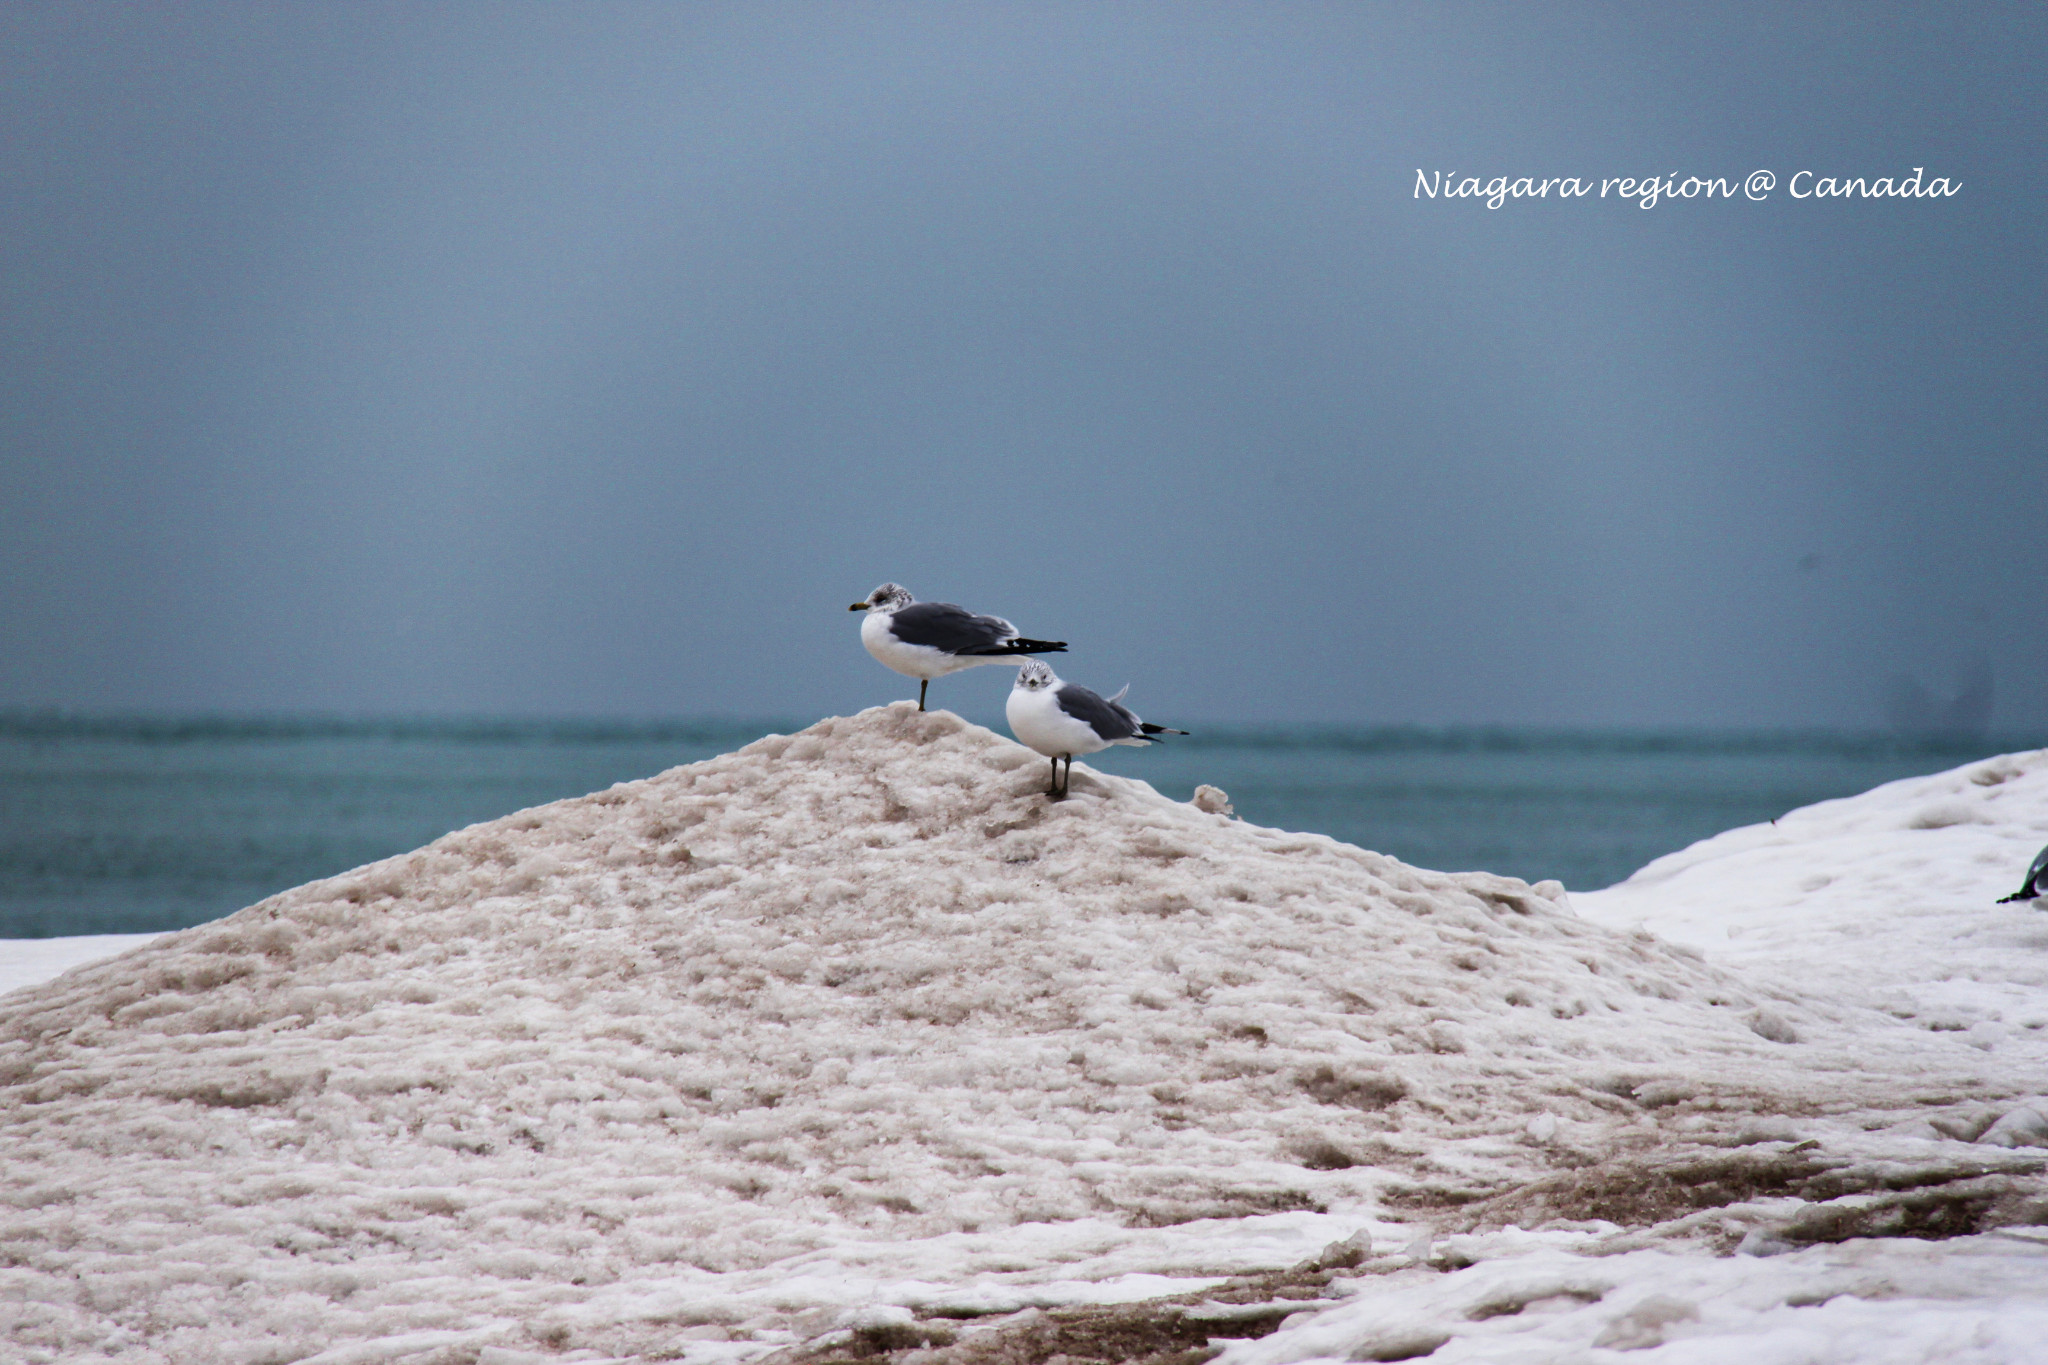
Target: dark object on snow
[[2031, 887]]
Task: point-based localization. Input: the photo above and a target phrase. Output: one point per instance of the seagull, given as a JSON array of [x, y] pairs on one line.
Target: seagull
[[2031, 887], [1061, 719], [926, 640]]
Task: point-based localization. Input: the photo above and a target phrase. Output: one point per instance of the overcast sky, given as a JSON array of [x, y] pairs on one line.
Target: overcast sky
[[590, 359]]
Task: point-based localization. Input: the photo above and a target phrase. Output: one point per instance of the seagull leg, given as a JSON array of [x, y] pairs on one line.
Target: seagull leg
[[922, 684], [1053, 791]]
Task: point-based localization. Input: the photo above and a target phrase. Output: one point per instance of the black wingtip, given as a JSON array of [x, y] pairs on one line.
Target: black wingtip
[[1034, 647], [2017, 896], [1149, 728]]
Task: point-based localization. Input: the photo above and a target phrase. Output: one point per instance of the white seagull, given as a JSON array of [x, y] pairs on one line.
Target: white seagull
[[926, 640], [1061, 719]]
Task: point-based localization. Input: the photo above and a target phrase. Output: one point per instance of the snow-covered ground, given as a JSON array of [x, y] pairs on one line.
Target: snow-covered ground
[[27, 961], [1887, 899], [852, 1043]]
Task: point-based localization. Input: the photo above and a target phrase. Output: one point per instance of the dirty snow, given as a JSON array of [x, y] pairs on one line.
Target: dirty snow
[[1541, 1297], [852, 1031]]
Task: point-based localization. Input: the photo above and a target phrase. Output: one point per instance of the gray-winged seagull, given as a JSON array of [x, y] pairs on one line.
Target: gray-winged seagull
[[926, 640], [1061, 719]]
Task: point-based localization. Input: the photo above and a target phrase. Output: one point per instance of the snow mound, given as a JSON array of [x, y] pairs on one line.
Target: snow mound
[[1888, 898], [543, 1080]]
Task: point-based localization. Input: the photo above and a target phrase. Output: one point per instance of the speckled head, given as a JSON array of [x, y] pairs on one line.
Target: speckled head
[[1035, 676], [888, 597]]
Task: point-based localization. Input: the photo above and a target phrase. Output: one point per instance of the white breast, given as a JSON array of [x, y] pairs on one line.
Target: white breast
[[913, 661], [1037, 721]]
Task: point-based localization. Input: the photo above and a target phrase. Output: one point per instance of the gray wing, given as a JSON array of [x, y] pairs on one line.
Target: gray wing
[[954, 630], [1109, 720]]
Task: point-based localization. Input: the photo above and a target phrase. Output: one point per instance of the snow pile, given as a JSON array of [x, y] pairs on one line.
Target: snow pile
[[1887, 899], [853, 1028]]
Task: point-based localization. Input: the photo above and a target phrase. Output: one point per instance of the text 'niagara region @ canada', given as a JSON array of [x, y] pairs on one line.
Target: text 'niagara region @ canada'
[[1650, 190]]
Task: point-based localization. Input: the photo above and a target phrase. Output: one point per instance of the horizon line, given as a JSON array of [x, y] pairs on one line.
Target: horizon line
[[30, 722]]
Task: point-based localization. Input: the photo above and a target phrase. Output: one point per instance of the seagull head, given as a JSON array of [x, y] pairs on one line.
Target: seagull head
[[1035, 676], [888, 597]]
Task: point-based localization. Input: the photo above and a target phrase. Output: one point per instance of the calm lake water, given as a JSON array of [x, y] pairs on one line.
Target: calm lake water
[[122, 825]]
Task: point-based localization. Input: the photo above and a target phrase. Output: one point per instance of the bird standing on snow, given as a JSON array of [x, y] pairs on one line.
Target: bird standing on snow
[[926, 640], [1061, 719], [2031, 887]]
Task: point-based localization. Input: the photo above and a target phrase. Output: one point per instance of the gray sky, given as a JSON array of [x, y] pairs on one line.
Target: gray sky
[[591, 359]]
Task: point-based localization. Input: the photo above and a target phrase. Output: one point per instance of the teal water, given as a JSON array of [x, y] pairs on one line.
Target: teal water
[[128, 824]]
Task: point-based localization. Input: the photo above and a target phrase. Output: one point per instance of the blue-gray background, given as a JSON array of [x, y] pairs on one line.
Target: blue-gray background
[[586, 360], [413, 412]]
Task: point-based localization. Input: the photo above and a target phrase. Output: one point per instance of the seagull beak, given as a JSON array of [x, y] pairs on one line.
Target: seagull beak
[[858, 606]]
